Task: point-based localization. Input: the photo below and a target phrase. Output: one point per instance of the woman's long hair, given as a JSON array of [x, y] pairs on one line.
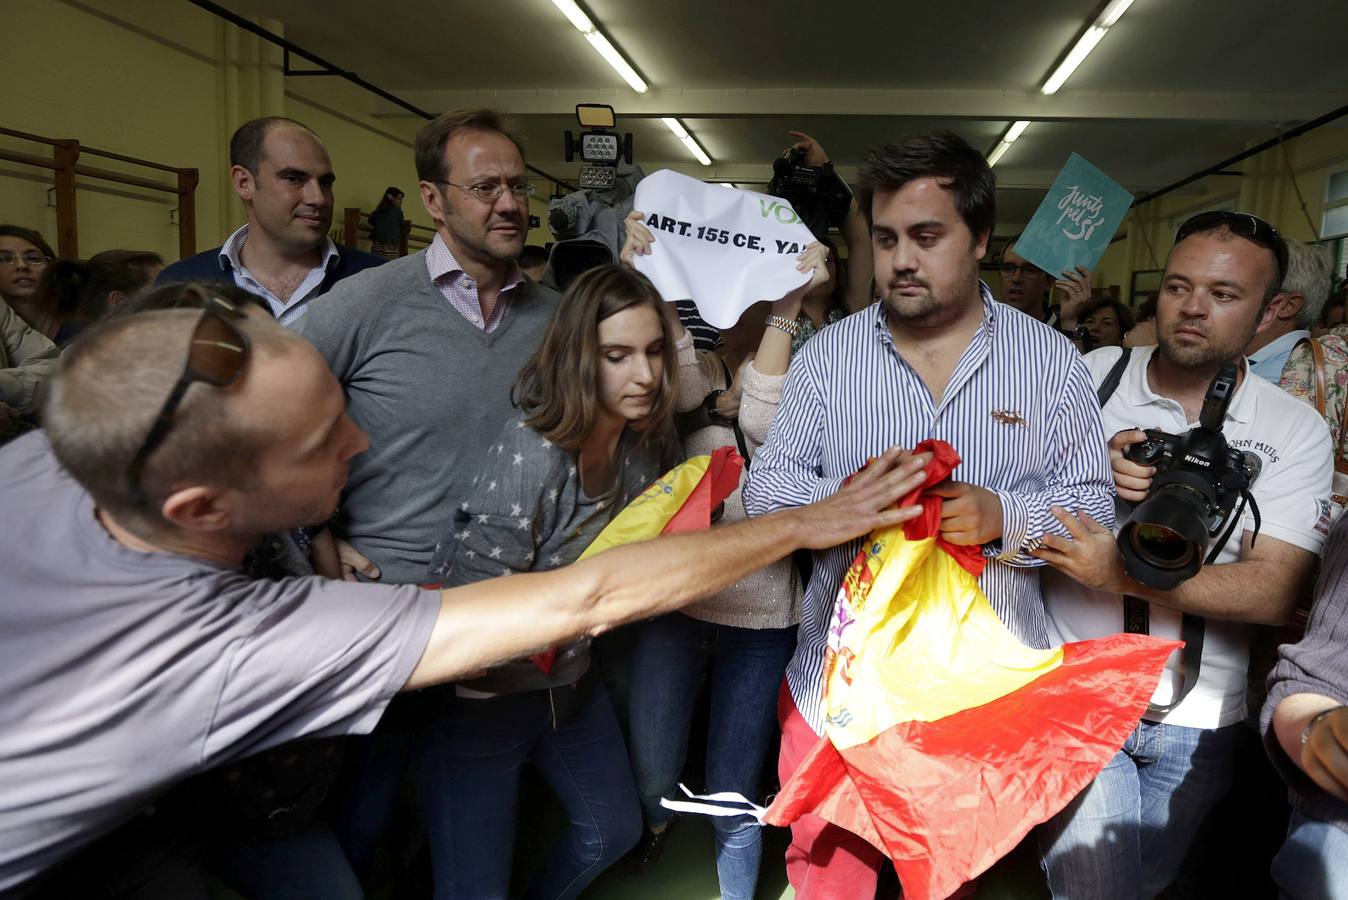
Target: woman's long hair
[[558, 386], [387, 200]]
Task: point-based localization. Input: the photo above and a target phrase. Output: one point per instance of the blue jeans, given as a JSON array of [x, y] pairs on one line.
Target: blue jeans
[[306, 864], [672, 656], [1313, 863], [1127, 833], [470, 762]]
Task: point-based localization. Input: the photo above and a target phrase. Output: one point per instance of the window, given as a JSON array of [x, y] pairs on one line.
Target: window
[[1335, 221]]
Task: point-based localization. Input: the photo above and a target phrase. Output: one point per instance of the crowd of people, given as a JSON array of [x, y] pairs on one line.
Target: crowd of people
[[264, 500]]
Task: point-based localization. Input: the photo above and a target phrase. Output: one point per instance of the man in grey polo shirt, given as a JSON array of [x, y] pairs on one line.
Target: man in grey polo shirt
[[137, 653]]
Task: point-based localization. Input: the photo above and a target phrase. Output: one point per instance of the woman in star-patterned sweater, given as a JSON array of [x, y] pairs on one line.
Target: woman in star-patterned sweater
[[595, 429]]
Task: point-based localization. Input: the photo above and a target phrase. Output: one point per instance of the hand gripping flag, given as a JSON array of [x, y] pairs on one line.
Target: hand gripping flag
[[946, 740], [683, 499]]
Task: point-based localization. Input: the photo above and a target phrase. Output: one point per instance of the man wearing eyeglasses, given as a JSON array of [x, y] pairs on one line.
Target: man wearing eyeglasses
[[281, 172], [1127, 834], [1028, 287], [426, 348]]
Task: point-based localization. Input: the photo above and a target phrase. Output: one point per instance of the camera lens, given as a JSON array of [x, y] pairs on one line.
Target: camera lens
[[1161, 546]]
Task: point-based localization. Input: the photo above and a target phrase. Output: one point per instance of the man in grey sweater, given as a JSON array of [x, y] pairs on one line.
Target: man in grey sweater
[[427, 346]]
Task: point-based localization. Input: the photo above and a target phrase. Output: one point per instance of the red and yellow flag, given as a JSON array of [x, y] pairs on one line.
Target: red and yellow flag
[[683, 499], [946, 739]]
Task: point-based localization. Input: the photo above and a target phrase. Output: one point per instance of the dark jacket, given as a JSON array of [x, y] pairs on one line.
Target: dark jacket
[[210, 266]]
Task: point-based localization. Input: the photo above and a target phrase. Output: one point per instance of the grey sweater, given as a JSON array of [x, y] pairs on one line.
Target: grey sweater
[[1317, 664], [429, 388], [527, 512]]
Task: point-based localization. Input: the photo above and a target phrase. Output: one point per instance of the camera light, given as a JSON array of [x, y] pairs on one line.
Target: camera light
[[597, 147]]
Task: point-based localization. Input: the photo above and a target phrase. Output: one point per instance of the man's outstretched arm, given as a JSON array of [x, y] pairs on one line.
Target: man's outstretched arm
[[491, 622]]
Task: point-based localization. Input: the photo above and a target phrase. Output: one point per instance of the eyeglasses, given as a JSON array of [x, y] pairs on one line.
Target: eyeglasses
[[31, 258], [490, 193], [1252, 228], [217, 355], [1027, 269]]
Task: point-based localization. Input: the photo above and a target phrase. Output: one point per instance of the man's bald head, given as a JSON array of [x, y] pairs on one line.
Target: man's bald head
[[113, 382]]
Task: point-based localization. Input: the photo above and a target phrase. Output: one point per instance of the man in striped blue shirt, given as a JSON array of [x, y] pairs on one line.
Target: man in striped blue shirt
[[936, 358]]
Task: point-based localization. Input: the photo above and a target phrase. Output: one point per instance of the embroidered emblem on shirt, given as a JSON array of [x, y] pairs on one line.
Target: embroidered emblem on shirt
[[1009, 417]]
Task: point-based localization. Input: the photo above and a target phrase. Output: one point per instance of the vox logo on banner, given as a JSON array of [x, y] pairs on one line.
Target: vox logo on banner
[[1076, 221], [723, 249]]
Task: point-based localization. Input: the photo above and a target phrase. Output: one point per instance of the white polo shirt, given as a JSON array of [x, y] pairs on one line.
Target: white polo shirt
[[1292, 490]]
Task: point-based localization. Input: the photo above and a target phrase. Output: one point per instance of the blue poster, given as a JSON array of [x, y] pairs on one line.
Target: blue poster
[[1076, 221]]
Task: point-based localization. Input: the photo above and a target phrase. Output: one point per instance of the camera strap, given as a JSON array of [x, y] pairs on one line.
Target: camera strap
[[1136, 611], [1136, 620], [1111, 382]]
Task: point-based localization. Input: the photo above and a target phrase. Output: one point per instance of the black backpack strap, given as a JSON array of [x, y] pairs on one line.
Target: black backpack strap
[[1111, 382]]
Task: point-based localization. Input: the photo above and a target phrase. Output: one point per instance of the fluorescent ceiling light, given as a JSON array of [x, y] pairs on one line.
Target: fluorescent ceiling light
[[1079, 53], [687, 140], [615, 59], [675, 126], [1016, 130], [998, 152], [576, 16], [1084, 45], [1113, 12]]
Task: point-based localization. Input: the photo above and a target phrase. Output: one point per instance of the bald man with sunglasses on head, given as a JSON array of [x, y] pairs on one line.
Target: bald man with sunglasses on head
[[1127, 834], [136, 651]]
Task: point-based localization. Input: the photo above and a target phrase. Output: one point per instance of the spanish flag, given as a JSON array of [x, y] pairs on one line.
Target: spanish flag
[[946, 739], [683, 499]]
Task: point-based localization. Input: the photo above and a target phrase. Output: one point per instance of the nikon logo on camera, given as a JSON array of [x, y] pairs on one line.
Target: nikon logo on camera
[[1197, 461]]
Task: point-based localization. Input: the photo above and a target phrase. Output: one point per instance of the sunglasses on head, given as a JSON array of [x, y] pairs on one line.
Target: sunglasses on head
[[217, 355], [1252, 228]]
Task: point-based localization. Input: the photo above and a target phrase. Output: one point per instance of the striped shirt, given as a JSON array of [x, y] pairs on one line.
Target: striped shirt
[[460, 289], [1021, 411], [705, 337]]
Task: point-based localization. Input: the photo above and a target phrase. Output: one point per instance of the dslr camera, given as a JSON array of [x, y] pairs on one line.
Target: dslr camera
[[1199, 481], [816, 193]]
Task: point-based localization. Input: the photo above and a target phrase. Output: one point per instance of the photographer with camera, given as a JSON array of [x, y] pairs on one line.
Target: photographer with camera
[[1133, 826]]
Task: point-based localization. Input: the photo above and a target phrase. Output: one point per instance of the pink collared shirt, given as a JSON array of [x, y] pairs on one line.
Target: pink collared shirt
[[461, 290]]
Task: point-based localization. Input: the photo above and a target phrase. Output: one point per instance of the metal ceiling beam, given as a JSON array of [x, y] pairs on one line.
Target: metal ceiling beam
[[757, 174], [1065, 106]]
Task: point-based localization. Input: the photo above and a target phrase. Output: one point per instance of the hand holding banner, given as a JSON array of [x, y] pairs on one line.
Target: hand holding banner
[[1076, 221], [723, 249]]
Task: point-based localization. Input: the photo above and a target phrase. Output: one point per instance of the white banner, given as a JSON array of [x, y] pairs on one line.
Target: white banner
[[724, 249]]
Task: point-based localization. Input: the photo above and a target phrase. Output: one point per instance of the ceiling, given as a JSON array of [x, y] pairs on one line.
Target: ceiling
[[1173, 88]]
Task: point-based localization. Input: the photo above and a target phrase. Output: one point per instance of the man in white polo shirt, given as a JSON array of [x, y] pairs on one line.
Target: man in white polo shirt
[[1126, 835]]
